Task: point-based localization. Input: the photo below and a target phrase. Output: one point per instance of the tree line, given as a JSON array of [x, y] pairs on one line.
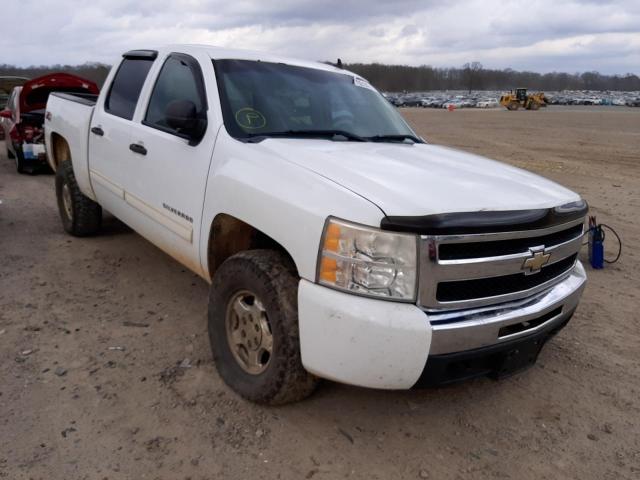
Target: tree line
[[397, 78], [96, 72]]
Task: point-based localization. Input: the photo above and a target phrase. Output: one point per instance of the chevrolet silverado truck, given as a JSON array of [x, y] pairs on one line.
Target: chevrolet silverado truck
[[338, 243]]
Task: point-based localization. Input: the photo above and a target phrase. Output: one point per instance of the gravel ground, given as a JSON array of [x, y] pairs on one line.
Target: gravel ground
[[106, 372]]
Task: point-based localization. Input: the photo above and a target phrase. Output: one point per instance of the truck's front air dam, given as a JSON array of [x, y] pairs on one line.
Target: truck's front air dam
[[496, 361]]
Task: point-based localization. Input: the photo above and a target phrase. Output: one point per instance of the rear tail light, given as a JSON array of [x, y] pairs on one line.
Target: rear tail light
[[15, 134]]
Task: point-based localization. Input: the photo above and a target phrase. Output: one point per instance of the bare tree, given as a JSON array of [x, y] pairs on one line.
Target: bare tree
[[472, 74]]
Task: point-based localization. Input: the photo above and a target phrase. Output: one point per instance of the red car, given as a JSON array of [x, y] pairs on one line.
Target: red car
[[7, 84], [23, 117]]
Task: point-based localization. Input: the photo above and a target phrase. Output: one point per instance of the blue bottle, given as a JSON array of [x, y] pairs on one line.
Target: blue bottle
[[596, 246]]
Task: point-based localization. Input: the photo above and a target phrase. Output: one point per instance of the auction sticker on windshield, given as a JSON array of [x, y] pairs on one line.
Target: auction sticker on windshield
[[250, 119]]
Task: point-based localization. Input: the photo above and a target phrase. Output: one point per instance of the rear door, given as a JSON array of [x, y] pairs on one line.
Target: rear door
[[167, 173], [110, 131]]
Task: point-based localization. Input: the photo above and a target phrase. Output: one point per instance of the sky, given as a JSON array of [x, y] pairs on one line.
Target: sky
[[536, 35]]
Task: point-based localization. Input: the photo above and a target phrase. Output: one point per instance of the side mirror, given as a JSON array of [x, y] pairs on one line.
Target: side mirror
[[183, 117], [5, 114]]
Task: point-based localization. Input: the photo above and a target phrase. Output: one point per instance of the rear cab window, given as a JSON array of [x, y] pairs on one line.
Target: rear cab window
[[128, 82]]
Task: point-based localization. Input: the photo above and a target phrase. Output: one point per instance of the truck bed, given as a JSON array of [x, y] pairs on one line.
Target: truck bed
[[68, 116]]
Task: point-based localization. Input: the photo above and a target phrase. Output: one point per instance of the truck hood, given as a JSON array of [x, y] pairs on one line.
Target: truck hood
[[421, 179]]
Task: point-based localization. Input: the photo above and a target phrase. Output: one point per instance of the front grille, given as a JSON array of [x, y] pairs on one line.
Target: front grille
[[461, 271], [455, 251], [494, 286]]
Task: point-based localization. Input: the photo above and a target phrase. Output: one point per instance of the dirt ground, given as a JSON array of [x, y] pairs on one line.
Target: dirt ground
[[106, 373]]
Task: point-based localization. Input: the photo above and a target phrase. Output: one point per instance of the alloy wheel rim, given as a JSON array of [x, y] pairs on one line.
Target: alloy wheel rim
[[249, 332]]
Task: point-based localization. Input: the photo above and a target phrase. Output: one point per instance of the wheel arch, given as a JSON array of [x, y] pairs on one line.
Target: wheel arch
[[229, 235], [60, 150]]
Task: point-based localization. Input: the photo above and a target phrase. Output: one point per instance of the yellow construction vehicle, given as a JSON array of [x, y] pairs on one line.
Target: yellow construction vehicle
[[519, 98]]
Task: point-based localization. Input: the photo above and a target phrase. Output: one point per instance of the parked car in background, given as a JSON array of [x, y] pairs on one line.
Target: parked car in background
[[7, 84], [487, 103], [22, 118], [490, 98]]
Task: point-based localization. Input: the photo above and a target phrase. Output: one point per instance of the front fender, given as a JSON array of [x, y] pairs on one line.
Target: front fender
[[281, 199]]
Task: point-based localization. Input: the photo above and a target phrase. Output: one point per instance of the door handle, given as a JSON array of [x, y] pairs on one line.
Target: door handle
[[137, 148], [97, 130]]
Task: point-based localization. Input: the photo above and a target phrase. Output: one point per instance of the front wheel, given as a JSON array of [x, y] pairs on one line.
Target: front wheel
[[253, 328], [80, 215]]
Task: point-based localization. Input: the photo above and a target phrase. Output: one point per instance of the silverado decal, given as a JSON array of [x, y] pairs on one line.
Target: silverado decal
[[178, 212]]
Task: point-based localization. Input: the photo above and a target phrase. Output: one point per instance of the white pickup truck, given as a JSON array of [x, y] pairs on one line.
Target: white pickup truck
[[338, 243]]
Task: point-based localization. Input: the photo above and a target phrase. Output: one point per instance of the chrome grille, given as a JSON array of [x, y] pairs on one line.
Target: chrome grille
[[464, 271]]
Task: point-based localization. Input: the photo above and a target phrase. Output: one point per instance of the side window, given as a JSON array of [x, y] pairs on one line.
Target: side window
[[125, 88], [179, 80]]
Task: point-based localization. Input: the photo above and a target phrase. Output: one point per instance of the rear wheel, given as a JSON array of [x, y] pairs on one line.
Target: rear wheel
[[80, 215], [19, 158], [253, 328], [6, 146]]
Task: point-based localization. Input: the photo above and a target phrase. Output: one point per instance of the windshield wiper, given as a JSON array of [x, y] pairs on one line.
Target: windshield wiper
[[393, 138], [330, 134]]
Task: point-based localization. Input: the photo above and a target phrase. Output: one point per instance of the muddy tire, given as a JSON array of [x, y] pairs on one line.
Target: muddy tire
[[80, 215], [513, 106], [253, 328]]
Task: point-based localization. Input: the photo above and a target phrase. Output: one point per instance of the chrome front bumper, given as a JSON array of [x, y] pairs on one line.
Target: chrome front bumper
[[456, 331]]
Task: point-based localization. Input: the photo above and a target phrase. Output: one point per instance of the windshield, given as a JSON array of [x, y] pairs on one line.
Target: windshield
[[260, 99]]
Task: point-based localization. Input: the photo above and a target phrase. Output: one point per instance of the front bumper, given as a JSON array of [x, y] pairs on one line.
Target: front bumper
[[361, 341], [391, 345], [476, 328], [499, 360]]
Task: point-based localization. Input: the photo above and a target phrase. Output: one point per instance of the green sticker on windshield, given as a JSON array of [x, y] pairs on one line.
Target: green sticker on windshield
[[250, 118]]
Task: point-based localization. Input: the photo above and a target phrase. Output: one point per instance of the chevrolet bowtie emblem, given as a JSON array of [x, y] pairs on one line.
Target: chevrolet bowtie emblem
[[536, 261]]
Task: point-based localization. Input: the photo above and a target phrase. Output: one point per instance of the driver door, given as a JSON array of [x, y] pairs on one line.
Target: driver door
[[168, 172]]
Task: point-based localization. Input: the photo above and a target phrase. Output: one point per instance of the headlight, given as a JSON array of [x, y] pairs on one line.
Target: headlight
[[368, 261]]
